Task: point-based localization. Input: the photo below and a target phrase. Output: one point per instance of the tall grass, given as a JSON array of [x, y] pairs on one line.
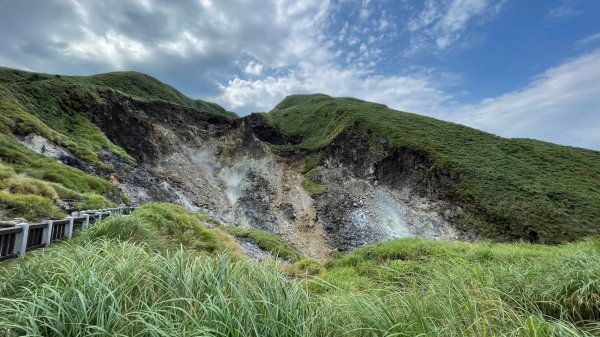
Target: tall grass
[[110, 288], [141, 275], [119, 288]]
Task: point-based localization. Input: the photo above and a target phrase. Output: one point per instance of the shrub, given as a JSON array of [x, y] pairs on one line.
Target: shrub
[[313, 188], [306, 267], [30, 207], [124, 229], [186, 228], [93, 201], [267, 241], [6, 171], [21, 185]]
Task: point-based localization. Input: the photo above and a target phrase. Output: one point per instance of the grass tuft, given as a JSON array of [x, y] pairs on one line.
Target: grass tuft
[[267, 241]]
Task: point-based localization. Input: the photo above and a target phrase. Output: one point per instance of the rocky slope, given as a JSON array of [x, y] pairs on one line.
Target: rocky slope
[[230, 169]]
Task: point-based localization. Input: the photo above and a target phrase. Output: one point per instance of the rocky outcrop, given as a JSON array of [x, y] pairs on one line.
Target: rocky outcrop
[[43, 146], [376, 192]]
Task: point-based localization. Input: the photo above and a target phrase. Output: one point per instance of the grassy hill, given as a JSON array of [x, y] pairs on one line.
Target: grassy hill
[[57, 108], [513, 187], [138, 85], [148, 88], [163, 272]]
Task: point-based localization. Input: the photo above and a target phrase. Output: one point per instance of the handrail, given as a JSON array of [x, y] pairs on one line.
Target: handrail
[[23, 237]]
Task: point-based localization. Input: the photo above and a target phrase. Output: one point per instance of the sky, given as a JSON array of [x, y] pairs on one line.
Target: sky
[[515, 68]]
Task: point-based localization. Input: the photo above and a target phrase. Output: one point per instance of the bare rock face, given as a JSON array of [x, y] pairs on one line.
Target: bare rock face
[[376, 193], [46, 148], [230, 169], [240, 180], [372, 195]]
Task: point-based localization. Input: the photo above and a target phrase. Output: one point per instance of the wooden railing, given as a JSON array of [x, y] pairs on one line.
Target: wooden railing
[[16, 241]]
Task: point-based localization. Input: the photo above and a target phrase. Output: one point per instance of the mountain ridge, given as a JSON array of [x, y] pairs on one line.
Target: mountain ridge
[[443, 174]]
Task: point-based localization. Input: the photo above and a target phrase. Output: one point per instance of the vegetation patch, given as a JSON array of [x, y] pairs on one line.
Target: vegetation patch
[[31, 190], [267, 241], [20, 185], [147, 88], [186, 228], [305, 267], [560, 282], [28, 206], [311, 186], [28, 163]]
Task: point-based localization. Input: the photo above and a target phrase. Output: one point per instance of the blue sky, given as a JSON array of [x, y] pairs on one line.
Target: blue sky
[[511, 67]]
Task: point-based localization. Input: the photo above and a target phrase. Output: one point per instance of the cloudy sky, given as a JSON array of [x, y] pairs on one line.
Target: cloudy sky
[[511, 67]]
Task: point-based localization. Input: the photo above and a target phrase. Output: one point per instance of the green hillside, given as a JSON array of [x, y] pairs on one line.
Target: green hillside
[[513, 187], [57, 108], [137, 85], [148, 88]]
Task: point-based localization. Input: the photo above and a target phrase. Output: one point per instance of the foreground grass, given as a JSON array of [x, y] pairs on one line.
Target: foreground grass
[[560, 282], [125, 277], [111, 288]]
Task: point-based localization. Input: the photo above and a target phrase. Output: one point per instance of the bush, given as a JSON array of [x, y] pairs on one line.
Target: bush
[[21, 185], [313, 188], [30, 207], [124, 229], [31, 164], [93, 201], [186, 228], [267, 241], [306, 267], [6, 171]]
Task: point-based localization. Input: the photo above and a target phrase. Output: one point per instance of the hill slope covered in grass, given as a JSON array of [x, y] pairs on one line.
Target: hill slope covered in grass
[[33, 186], [513, 188], [60, 109], [127, 276]]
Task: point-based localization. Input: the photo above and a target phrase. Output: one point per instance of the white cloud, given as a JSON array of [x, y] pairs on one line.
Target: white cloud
[[442, 23], [413, 93], [565, 10], [204, 39], [588, 41], [254, 68], [364, 11], [560, 105], [114, 48]]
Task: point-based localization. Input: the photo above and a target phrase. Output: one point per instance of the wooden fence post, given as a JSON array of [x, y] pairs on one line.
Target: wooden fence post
[[21, 239]]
